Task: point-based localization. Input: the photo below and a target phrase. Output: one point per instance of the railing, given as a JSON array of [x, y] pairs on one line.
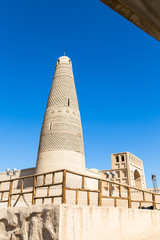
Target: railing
[[57, 185], [6, 186]]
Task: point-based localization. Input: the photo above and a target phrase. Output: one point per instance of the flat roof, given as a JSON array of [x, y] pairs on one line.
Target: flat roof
[[143, 13]]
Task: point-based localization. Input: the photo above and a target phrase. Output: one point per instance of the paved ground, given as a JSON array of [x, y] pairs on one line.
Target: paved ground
[[155, 237]]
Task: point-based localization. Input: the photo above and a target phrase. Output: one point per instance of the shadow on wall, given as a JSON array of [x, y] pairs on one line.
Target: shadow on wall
[[28, 182]]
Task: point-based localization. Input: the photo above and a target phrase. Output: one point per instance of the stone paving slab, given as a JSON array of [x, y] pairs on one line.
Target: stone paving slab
[[155, 237]]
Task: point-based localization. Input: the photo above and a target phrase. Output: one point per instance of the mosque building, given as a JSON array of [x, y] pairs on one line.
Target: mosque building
[[61, 139]]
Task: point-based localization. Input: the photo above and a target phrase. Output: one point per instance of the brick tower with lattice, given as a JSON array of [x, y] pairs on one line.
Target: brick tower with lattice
[[61, 140]]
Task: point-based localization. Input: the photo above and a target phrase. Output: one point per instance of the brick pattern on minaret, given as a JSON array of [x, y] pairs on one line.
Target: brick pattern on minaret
[[61, 141]]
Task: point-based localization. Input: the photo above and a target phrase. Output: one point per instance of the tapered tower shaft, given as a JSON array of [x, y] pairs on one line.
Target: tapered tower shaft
[[61, 141]]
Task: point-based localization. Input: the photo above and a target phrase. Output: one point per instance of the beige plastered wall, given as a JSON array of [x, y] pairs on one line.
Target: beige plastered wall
[[84, 223], [19, 173], [68, 222]]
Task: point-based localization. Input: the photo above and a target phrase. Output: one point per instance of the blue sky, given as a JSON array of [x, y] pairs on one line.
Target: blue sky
[[117, 77]]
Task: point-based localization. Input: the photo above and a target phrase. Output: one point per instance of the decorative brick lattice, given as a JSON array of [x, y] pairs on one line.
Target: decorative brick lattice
[[59, 96], [61, 141], [61, 128], [63, 87], [65, 127]]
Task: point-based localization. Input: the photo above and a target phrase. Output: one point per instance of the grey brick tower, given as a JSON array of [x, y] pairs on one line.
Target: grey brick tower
[[61, 141]]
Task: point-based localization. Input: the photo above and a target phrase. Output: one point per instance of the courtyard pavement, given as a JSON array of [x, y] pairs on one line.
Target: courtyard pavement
[[155, 237]]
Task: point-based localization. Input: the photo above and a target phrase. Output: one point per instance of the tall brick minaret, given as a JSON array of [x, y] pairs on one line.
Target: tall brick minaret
[[61, 140]]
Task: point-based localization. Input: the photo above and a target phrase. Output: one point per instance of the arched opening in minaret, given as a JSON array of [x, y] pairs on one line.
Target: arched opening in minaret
[[68, 102], [137, 179]]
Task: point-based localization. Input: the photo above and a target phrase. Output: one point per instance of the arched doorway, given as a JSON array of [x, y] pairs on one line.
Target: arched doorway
[[137, 179]]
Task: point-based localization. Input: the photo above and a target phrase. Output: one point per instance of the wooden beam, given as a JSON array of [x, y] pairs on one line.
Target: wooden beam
[[100, 193], [64, 187], [129, 198], [9, 195], [76, 197], [34, 190]]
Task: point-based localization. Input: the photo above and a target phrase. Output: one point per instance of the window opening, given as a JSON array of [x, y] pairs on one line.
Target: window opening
[[50, 126], [122, 158], [117, 159], [68, 102]]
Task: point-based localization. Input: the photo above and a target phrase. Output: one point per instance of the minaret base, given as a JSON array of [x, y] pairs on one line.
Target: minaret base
[[70, 160]]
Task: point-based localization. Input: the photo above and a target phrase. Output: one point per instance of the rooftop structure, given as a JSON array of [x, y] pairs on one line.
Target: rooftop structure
[[127, 169], [145, 14]]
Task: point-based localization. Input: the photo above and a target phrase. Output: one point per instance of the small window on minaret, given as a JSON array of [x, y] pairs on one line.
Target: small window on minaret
[[50, 126], [68, 102], [122, 158]]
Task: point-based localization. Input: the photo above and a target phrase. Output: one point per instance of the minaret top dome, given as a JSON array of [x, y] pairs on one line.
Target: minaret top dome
[[64, 60]]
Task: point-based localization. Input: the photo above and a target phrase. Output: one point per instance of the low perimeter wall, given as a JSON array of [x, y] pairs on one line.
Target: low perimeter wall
[[67, 222]]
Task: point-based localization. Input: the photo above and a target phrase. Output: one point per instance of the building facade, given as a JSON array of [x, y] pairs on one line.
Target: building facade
[[126, 169]]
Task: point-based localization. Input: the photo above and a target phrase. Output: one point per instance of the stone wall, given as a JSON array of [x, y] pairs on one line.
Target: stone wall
[[30, 223], [68, 222]]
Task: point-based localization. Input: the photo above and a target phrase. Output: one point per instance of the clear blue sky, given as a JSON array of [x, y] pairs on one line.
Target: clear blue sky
[[117, 74]]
